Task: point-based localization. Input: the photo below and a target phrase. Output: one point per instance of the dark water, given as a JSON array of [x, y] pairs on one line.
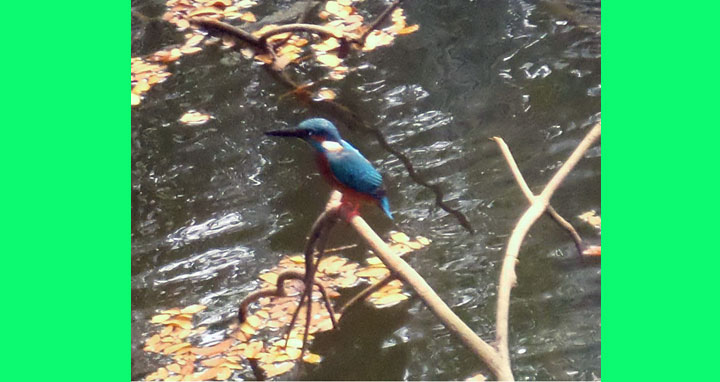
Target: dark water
[[214, 205]]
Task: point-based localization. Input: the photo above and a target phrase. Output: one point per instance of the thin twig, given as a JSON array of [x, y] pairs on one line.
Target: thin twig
[[318, 230], [530, 196], [279, 291], [508, 277], [378, 21]]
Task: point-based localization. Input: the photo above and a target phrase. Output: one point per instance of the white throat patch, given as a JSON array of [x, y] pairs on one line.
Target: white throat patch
[[331, 146]]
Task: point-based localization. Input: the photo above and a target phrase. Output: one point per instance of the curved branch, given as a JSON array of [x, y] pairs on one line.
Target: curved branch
[[216, 27], [310, 28], [530, 196], [508, 277]]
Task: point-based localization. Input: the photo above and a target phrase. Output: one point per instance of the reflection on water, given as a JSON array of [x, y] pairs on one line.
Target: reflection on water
[[214, 205]]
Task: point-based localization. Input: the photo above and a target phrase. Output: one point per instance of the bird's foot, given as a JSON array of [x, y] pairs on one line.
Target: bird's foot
[[350, 209]]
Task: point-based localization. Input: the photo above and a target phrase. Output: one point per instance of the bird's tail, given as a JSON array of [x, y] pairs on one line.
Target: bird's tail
[[385, 205]]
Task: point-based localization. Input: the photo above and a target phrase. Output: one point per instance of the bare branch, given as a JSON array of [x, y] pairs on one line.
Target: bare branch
[[411, 278], [375, 24], [530, 196], [216, 27], [508, 277], [294, 28]]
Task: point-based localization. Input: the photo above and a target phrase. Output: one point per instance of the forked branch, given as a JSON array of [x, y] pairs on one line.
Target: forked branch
[[508, 277]]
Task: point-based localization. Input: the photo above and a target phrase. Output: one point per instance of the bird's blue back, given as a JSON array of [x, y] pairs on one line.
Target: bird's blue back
[[351, 168]]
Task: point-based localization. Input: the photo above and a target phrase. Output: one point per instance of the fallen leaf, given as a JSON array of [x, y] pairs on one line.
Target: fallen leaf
[[408, 30], [223, 374], [192, 309], [278, 368], [330, 60], [206, 375], [399, 237], [134, 99], [182, 322], [373, 272], [213, 350], [253, 349], [175, 348], [312, 358], [254, 321], [160, 318], [389, 300], [327, 94], [213, 362], [422, 240], [249, 17], [591, 218], [194, 118], [175, 368]]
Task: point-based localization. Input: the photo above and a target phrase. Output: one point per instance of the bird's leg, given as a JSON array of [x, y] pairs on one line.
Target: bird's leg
[[351, 205]]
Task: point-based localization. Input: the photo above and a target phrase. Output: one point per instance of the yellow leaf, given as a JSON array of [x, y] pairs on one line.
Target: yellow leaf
[[192, 309], [408, 30], [373, 272], [194, 118], [278, 368], [414, 245], [213, 362], [190, 50], [330, 60], [175, 368], [160, 318], [253, 349], [591, 218], [389, 300], [329, 44], [293, 353], [334, 8], [374, 261], [223, 374], [162, 373], [312, 358], [327, 94], [297, 259], [182, 322], [213, 350], [422, 240], [248, 16], [399, 237], [295, 343], [254, 321], [134, 99], [175, 348]]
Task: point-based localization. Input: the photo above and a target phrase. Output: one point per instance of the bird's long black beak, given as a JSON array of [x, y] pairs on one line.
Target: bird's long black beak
[[297, 133]]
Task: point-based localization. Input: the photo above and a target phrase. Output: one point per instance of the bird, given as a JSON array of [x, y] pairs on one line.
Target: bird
[[341, 164]]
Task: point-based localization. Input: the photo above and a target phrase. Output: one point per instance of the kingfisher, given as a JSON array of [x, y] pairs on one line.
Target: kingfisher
[[341, 164]]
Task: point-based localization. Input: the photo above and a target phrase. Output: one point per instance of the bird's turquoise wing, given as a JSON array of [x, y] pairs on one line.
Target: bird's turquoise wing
[[350, 168]]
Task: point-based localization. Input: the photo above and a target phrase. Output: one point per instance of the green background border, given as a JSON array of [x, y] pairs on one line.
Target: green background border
[[659, 288], [66, 200], [66, 191]]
